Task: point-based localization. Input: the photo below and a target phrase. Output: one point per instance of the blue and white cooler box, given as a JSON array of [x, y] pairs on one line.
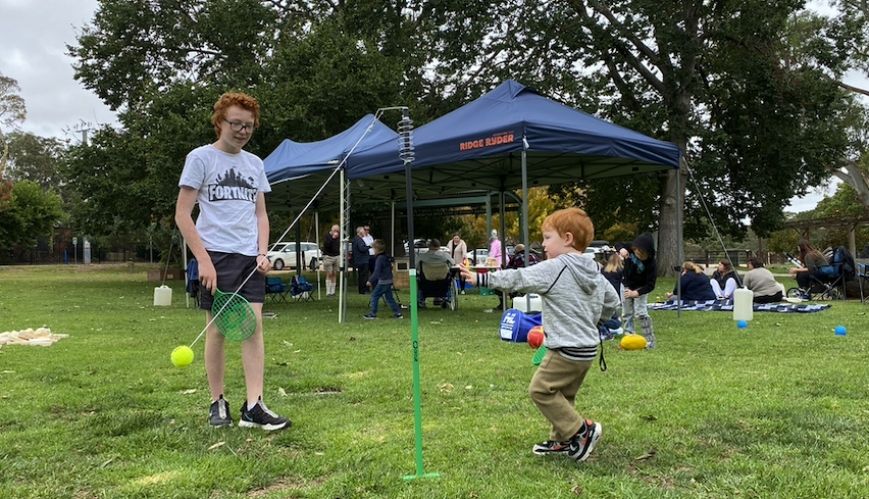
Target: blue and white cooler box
[[515, 325]]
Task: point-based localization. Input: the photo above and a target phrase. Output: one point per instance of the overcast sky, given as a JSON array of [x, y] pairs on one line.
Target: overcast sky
[[33, 38]]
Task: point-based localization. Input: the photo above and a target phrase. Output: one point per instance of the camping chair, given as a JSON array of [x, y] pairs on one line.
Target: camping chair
[[301, 289], [192, 287], [863, 275], [830, 282], [276, 290], [437, 280]]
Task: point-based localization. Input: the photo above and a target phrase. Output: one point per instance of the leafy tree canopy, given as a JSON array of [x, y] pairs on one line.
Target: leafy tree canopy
[[30, 214]]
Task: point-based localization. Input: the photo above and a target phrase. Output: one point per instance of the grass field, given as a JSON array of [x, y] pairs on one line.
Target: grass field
[[778, 410]]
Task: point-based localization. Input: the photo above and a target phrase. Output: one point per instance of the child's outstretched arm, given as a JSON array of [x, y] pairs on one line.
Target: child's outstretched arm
[[535, 279]]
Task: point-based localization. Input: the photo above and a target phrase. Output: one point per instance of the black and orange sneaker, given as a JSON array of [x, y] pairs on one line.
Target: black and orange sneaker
[[551, 448], [582, 444]]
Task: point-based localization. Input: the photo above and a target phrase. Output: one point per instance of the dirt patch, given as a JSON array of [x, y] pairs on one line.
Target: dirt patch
[[284, 485]]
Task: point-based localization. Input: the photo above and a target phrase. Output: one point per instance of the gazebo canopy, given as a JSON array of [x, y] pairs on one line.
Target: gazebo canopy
[[475, 148], [478, 146]]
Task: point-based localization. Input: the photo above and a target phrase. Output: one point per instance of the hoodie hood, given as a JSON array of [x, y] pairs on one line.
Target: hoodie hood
[[644, 242], [581, 269]]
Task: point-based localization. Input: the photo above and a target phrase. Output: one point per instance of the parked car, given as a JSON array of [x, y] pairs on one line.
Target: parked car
[[284, 255], [419, 246]]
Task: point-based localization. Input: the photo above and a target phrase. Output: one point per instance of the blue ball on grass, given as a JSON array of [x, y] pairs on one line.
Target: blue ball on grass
[[841, 331], [741, 324]]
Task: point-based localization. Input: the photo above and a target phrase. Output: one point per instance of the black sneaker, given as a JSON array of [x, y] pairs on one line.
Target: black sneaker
[[218, 413], [581, 446], [369, 317], [398, 316], [259, 416], [551, 448]]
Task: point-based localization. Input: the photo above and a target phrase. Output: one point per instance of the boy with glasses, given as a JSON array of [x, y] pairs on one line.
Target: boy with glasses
[[229, 240]]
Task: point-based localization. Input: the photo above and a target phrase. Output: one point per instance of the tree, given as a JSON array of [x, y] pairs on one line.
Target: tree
[[12, 107], [724, 81], [32, 213], [35, 158], [12, 111], [311, 81]]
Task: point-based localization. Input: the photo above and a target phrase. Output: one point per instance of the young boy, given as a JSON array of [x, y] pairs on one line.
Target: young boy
[[575, 297], [229, 240], [640, 275], [381, 281]]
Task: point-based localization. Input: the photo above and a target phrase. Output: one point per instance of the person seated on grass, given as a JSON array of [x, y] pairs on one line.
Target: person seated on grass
[[695, 285], [575, 298], [762, 283], [724, 281], [381, 282]]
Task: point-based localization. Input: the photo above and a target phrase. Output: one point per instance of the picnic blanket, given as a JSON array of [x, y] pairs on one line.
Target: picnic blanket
[[725, 306], [39, 337]]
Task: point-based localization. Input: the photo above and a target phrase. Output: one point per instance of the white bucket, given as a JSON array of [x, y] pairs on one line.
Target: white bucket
[[162, 296], [531, 303], [743, 305]]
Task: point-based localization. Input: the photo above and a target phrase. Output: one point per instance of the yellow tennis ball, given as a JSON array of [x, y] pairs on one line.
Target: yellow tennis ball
[[633, 342], [182, 356]]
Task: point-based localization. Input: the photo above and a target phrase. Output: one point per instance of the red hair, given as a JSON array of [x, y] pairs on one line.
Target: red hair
[[230, 99], [571, 220]]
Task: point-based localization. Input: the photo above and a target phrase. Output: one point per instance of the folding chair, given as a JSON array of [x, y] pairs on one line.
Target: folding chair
[[863, 275], [276, 290], [829, 283], [438, 281], [301, 289]]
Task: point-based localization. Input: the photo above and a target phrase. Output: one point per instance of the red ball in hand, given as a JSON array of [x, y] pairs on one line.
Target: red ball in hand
[[535, 337]]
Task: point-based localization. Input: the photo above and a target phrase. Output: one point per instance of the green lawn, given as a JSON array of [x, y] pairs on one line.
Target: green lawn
[[778, 410]]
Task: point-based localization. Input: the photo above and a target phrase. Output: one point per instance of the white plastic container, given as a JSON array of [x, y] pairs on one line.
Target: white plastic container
[[532, 303], [162, 296], [743, 304]]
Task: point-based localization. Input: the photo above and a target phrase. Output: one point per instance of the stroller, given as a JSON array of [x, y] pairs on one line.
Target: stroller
[[830, 284]]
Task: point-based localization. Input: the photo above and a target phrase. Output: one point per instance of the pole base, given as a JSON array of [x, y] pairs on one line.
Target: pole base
[[424, 475]]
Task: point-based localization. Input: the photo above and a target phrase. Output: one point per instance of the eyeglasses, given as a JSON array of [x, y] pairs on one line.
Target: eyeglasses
[[238, 126]]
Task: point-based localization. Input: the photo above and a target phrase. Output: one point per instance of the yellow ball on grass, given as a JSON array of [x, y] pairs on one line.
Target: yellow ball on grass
[[633, 342]]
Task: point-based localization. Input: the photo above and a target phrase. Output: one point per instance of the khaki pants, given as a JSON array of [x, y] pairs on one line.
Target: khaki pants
[[553, 389]]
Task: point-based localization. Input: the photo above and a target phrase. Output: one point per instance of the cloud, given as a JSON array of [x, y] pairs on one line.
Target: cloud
[[34, 35]]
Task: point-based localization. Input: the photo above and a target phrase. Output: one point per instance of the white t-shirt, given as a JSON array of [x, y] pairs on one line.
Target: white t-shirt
[[228, 185]]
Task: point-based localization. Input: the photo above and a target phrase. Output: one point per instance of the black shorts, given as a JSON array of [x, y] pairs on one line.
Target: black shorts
[[232, 269]]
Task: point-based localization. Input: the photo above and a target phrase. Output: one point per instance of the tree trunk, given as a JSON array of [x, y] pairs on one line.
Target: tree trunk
[[668, 227], [856, 178]]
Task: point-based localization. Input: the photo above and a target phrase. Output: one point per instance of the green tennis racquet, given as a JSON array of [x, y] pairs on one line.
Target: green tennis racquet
[[233, 316], [538, 356]]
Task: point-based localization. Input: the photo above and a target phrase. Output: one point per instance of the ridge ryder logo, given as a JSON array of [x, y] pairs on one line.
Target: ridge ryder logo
[[232, 187], [496, 139]]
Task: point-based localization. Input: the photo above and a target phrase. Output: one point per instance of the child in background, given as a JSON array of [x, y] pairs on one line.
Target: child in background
[[575, 297], [724, 281], [613, 271], [381, 281], [640, 275]]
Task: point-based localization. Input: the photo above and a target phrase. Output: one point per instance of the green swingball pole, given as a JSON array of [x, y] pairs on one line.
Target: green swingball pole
[[405, 129]]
